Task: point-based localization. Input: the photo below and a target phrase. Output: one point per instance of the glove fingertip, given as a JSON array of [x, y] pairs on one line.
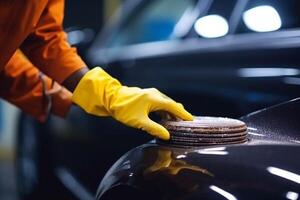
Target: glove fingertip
[[185, 115], [156, 129], [164, 135], [161, 133], [188, 116]]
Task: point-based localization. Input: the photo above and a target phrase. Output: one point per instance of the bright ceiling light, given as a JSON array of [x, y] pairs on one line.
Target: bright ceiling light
[[262, 19], [211, 26]]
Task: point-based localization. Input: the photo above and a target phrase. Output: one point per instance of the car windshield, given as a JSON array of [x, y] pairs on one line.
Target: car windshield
[[154, 21]]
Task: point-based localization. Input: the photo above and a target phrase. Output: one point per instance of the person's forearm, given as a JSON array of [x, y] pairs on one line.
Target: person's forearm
[[71, 82]]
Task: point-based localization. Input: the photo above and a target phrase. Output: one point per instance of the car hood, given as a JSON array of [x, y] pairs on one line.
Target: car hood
[[266, 167]]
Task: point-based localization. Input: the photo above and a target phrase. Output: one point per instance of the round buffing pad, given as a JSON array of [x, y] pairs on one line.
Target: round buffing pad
[[203, 131]]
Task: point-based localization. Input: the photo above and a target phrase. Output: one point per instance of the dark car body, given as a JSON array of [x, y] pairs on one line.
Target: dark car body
[[265, 167], [226, 76]]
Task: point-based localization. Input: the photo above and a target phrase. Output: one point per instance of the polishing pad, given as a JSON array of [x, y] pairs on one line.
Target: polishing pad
[[203, 131]]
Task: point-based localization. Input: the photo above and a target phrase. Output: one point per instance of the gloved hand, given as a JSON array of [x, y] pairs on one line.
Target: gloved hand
[[100, 94]]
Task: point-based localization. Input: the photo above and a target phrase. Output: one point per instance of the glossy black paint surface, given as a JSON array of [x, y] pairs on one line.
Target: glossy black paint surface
[[266, 167], [243, 171]]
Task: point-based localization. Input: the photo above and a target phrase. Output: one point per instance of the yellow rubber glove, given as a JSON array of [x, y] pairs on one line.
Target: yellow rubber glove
[[100, 94]]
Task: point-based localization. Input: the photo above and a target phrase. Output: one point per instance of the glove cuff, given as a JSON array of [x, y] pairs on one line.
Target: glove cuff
[[95, 91]]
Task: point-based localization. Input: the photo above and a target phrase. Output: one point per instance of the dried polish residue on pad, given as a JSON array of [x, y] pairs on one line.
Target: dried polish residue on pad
[[203, 131]]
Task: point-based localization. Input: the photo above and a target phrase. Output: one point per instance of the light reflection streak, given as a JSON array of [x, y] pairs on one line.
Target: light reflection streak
[[213, 151], [291, 80], [180, 156], [252, 129], [222, 192], [256, 134], [267, 72], [284, 174], [292, 195], [296, 141]]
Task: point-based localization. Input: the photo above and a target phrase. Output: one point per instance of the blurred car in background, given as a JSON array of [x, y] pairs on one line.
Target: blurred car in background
[[218, 59]]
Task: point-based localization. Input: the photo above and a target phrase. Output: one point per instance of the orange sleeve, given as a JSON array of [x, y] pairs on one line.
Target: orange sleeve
[[47, 46], [21, 85]]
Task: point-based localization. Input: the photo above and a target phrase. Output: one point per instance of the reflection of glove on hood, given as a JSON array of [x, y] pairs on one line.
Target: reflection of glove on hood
[[165, 162]]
